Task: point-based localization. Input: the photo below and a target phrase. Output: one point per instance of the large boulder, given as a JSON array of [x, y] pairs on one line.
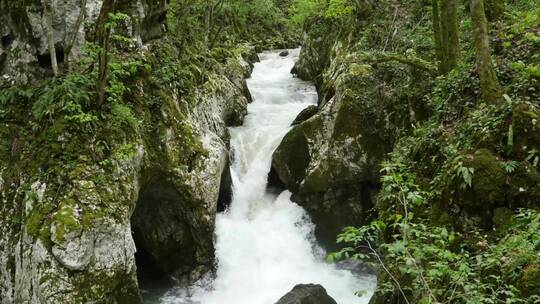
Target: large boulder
[[330, 160], [307, 294]]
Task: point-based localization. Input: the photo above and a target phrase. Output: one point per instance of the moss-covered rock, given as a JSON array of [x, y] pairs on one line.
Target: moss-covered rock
[[526, 130], [529, 280], [524, 187], [331, 159], [291, 159], [24, 39], [306, 114], [488, 181]]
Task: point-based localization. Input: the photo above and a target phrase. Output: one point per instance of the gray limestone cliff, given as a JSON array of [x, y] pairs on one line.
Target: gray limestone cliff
[[80, 225]]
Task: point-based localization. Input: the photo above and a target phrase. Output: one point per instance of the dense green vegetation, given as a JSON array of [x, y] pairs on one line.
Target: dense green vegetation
[[457, 219]]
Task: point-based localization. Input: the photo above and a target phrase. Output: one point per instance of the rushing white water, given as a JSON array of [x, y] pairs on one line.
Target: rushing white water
[[264, 242]]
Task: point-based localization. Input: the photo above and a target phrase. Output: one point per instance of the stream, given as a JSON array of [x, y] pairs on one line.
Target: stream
[[264, 242]]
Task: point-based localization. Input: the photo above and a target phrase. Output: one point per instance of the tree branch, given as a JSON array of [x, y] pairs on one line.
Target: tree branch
[[388, 57]]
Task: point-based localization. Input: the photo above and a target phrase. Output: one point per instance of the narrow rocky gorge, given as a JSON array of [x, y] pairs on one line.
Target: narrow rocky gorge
[[189, 152]]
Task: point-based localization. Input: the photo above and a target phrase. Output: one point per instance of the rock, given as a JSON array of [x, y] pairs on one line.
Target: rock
[[331, 163], [315, 56], [330, 159], [487, 193], [306, 114], [75, 252], [524, 184], [488, 182], [161, 229], [307, 294], [529, 280], [74, 239], [284, 53], [24, 38], [526, 127]]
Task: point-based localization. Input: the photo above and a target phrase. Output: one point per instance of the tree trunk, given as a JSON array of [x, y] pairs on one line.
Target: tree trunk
[[71, 40], [453, 34], [435, 19], [102, 38], [50, 34], [489, 84], [449, 34]]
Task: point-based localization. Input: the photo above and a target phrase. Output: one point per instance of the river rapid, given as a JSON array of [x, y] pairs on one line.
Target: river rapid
[[264, 241]]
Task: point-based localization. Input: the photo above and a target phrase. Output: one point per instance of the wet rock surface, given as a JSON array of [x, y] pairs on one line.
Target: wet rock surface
[[307, 294]]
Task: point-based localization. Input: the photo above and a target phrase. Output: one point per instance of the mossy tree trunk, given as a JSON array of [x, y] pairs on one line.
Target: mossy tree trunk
[[435, 19], [50, 34], [446, 33], [491, 89], [102, 38]]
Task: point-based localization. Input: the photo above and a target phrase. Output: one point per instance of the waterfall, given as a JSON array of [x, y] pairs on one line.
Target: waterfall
[[264, 242]]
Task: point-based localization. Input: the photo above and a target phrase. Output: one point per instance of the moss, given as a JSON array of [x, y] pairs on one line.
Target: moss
[[292, 157], [529, 280], [317, 181], [524, 184], [37, 218], [488, 182], [65, 220], [114, 286], [502, 217], [306, 114], [526, 130], [347, 120], [33, 222]]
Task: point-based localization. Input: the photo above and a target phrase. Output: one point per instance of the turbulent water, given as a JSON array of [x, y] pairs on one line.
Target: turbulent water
[[264, 242]]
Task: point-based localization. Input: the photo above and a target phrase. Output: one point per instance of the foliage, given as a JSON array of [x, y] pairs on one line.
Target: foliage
[[303, 10], [71, 99], [225, 22], [436, 265]]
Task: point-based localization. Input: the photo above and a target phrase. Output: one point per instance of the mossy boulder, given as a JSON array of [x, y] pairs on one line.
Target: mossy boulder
[[529, 280], [293, 150], [331, 161], [488, 181], [524, 187], [526, 130], [331, 157], [316, 52], [306, 114]]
